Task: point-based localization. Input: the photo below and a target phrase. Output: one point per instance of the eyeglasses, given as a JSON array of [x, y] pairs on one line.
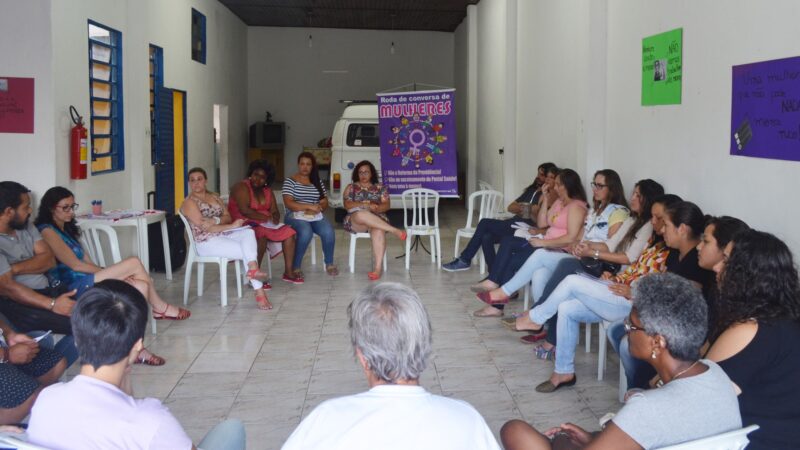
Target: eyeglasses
[[630, 327], [598, 185], [365, 172], [68, 208]]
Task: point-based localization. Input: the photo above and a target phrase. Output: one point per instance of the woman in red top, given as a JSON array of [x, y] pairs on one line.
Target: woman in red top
[[253, 200]]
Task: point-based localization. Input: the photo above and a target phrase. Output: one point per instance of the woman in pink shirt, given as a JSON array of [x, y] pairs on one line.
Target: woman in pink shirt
[[559, 226]]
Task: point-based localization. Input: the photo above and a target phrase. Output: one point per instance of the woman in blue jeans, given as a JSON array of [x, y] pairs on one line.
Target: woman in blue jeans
[[306, 198]]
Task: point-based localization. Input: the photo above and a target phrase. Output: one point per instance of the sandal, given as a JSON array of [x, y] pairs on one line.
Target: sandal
[[403, 236], [263, 302], [152, 360], [299, 274], [373, 276], [183, 314], [255, 274], [487, 298], [545, 354], [332, 270]]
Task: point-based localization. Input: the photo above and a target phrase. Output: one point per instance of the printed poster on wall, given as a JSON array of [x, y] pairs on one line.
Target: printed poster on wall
[[765, 109], [418, 141], [662, 68], [16, 105]]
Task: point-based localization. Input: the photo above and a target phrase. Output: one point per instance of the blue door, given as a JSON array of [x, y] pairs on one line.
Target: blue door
[[170, 162]]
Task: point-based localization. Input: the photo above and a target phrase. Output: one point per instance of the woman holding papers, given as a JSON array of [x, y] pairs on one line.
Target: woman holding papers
[[580, 299], [561, 223], [366, 202], [252, 199], [217, 234], [305, 199]]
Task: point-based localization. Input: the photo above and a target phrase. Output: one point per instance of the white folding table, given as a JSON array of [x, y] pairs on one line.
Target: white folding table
[[138, 219]]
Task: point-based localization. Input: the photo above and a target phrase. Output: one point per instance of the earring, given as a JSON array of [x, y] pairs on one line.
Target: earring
[[653, 355]]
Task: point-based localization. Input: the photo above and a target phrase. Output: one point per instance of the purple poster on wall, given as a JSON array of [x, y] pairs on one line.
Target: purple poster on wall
[[418, 141], [765, 111]]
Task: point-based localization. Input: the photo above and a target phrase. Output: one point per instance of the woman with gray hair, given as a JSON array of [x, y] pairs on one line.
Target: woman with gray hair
[[666, 327], [391, 336]]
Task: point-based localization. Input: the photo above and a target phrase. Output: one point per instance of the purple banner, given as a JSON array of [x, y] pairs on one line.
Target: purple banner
[[418, 141], [765, 111]]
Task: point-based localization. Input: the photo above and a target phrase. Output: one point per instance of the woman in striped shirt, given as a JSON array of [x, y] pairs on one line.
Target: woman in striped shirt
[[305, 199]]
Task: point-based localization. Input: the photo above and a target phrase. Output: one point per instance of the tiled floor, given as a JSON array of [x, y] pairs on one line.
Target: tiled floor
[[271, 368]]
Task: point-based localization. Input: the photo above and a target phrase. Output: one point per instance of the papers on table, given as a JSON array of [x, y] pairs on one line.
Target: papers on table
[[520, 226]]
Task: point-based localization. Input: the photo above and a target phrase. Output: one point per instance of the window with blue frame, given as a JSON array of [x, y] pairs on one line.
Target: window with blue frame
[[105, 97], [198, 36], [156, 83]]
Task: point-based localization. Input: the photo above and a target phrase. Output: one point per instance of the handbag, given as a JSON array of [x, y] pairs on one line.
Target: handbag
[[596, 267]]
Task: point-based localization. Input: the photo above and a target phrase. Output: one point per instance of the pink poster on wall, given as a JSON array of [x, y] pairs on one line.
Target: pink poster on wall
[[16, 105]]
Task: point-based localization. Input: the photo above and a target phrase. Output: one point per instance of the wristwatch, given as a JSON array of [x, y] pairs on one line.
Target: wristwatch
[[596, 254], [52, 303]]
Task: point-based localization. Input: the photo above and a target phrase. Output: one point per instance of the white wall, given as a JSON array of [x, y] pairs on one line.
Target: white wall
[[288, 78], [166, 24], [491, 92], [553, 38], [686, 146], [28, 158]]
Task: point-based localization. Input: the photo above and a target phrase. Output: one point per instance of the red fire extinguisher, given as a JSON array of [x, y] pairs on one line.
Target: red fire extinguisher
[[78, 150]]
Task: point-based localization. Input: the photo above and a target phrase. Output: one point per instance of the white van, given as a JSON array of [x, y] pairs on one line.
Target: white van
[[355, 138]]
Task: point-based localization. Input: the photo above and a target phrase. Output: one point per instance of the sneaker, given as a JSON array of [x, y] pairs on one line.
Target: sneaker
[[266, 286], [295, 279], [456, 265]]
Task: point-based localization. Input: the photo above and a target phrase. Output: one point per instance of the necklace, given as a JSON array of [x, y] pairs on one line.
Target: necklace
[[661, 383], [684, 370]]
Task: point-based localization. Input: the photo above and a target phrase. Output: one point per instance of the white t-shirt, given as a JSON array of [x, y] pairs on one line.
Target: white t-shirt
[[393, 417]]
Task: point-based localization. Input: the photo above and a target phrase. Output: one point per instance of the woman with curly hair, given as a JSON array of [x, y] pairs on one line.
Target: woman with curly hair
[[758, 329], [253, 200], [367, 201]]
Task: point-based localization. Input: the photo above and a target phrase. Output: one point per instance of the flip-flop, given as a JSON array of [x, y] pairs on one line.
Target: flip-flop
[[373, 276], [479, 313], [548, 387]]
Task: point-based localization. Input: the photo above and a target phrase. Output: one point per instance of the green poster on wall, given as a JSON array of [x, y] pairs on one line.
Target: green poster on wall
[[662, 65]]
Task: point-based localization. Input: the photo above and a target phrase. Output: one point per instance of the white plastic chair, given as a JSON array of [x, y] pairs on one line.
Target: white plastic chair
[[192, 257], [418, 201], [487, 209], [601, 346], [484, 186], [92, 242], [732, 440], [352, 258]]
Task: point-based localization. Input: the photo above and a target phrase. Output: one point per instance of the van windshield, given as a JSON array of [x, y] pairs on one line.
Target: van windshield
[[363, 135]]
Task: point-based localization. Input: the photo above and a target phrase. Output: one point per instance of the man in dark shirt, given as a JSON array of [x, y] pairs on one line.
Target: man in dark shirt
[[490, 231], [25, 296]]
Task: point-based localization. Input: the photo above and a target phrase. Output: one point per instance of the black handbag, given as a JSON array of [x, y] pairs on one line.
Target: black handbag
[[596, 267]]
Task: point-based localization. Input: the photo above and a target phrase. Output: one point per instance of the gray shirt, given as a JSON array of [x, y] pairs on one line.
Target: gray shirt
[[682, 410], [19, 247]]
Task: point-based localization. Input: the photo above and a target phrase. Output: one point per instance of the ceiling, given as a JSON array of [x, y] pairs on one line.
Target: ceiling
[[417, 15]]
